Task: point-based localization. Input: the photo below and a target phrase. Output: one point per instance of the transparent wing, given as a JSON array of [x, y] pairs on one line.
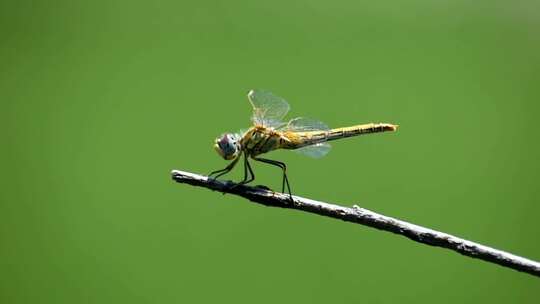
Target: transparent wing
[[302, 124], [316, 151], [268, 109]]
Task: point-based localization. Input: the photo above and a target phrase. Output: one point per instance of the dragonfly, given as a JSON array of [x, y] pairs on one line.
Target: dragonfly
[[270, 132]]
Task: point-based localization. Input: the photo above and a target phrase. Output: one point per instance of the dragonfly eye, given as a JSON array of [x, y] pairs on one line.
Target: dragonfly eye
[[226, 146]]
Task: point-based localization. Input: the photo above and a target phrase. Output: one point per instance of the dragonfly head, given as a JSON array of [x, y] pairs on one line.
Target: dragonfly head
[[228, 146]]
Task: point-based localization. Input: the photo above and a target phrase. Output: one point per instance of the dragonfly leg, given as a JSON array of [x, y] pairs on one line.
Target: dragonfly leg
[[226, 169], [248, 172], [285, 180]]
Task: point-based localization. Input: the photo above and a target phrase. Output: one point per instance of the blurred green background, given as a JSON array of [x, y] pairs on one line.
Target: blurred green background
[[101, 99]]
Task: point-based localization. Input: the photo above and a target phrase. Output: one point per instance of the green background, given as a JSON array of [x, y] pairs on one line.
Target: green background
[[101, 99]]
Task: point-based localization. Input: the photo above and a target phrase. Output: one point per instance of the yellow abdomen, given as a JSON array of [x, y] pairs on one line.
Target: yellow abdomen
[[302, 139]]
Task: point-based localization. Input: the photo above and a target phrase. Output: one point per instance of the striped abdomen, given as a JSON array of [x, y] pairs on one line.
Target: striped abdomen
[[301, 139]]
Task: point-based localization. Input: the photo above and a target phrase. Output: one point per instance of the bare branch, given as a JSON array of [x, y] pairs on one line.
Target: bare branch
[[355, 214]]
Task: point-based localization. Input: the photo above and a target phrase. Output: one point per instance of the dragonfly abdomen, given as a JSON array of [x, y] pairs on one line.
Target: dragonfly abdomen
[[360, 130], [302, 139]]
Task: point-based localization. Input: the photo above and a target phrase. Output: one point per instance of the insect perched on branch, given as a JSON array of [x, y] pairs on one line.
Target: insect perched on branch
[[269, 132]]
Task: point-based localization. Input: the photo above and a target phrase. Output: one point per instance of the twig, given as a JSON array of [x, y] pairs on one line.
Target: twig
[[355, 214]]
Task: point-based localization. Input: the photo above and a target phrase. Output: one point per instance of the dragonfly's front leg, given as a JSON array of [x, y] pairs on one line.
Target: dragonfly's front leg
[[226, 169], [285, 181]]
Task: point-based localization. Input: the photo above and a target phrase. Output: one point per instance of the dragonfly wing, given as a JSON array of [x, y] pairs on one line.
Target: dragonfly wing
[[316, 151], [268, 109], [302, 124]]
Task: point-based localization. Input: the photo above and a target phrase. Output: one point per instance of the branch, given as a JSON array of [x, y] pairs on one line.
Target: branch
[[355, 214]]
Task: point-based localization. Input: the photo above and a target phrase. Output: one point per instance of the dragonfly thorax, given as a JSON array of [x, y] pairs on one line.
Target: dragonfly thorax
[[228, 145]]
